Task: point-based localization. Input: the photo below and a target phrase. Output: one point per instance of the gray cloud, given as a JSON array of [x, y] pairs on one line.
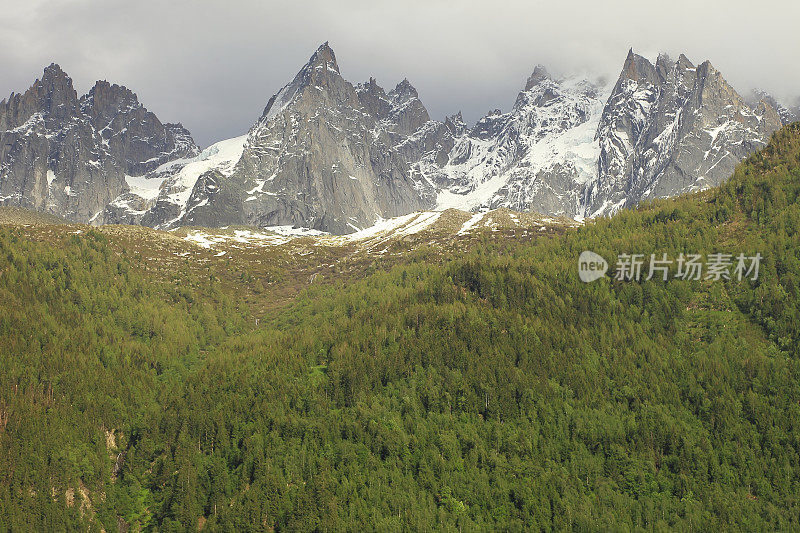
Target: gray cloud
[[214, 65]]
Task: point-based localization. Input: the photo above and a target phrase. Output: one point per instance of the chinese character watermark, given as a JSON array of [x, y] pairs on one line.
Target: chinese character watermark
[[635, 267]]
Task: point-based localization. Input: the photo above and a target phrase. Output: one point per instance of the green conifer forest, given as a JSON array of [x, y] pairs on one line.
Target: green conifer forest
[[476, 385]]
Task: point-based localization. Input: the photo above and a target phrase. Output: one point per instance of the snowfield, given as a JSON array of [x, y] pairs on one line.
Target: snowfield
[[457, 223], [221, 156]]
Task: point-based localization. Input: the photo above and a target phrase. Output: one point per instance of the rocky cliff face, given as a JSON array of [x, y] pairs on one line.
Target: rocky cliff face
[[671, 128], [325, 154], [72, 156]]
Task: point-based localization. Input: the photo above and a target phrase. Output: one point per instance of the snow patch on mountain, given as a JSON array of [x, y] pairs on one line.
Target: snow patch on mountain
[[221, 157], [145, 187], [209, 240]]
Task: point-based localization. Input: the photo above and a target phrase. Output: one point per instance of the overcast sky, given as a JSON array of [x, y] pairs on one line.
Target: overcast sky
[[214, 65]]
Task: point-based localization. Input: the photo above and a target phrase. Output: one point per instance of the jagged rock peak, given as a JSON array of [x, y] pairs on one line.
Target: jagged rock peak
[[52, 94], [54, 71], [672, 129], [324, 56], [665, 59], [638, 68], [455, 123], [107, 98], [684, 62], [539, 74], [54, 79], [404, 90], [371, 88], [372, 84], [664, 65], [706, 68], [314, 73], [104, 86]]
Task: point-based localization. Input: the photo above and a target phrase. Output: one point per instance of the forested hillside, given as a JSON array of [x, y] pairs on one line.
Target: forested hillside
[[480, 390]]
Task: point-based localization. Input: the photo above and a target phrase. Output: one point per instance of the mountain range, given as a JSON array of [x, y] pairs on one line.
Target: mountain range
[[333, 156]]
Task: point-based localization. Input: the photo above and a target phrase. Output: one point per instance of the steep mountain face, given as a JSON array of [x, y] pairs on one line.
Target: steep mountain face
[[72, 156], [671, 128], [325, 155]]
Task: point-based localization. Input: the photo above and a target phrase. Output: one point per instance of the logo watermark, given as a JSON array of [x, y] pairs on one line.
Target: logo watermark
[[591, 266], [636, 267]]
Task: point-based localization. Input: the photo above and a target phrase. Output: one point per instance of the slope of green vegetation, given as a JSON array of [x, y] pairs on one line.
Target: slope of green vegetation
[[476, 391]]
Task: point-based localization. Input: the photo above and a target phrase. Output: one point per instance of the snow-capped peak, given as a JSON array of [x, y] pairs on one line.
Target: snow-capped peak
[[536, 153]]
